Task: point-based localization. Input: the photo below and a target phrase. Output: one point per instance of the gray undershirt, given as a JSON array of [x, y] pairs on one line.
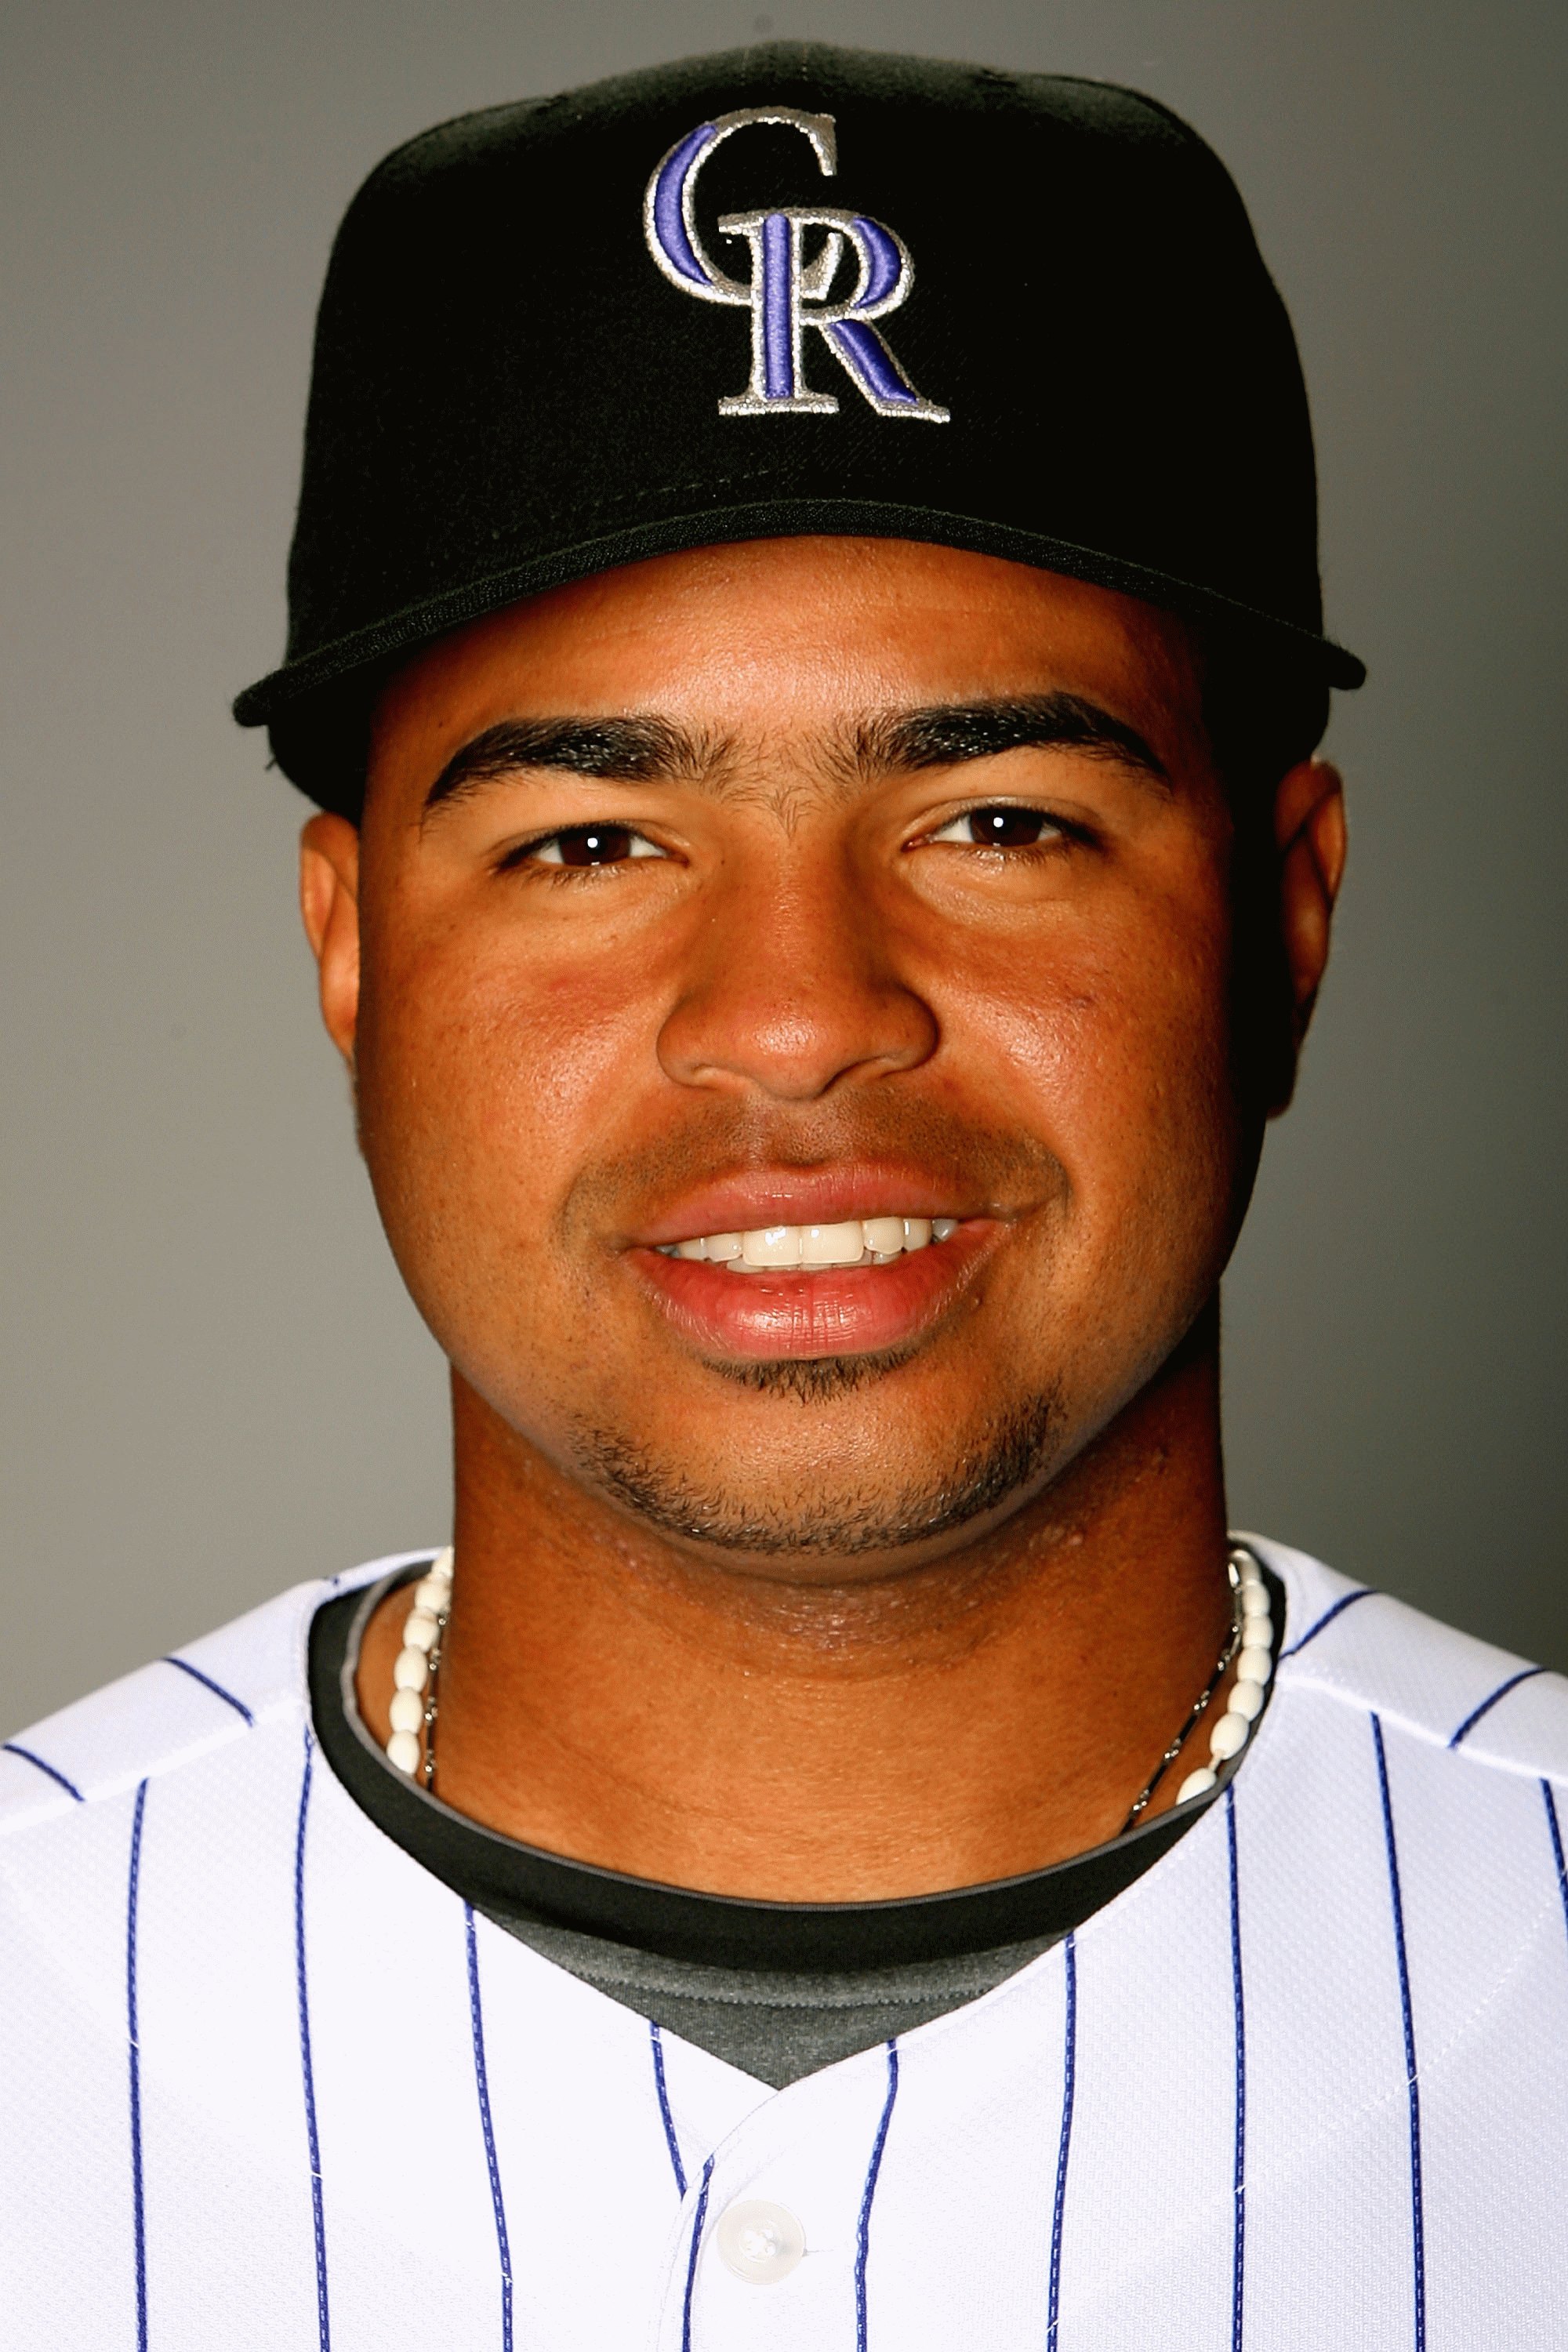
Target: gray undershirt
[[775, 2025]]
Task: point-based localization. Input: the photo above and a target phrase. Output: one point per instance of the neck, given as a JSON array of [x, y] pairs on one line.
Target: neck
[[611, 1697]]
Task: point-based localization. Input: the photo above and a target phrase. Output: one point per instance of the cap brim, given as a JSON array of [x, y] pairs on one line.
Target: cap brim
[[333, 665]]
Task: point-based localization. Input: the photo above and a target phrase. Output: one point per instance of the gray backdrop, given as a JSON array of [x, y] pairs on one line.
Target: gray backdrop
[[214, 1383]]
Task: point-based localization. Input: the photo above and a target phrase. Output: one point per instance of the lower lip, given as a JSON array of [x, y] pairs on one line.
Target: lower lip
[[839, 1311]]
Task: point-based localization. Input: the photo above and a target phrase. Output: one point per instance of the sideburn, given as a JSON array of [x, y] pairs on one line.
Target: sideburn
[[1262, 1010]]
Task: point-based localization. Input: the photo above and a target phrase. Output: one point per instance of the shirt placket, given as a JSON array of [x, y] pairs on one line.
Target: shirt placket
[[778, 2224]]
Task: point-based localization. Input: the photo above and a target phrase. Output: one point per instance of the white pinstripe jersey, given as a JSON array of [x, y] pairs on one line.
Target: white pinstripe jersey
[[268, 2084]]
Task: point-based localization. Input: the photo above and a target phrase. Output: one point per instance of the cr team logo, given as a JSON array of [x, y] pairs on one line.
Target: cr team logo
[[785, 294]]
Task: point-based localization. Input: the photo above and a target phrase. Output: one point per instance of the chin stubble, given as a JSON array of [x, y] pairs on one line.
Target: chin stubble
[[815, 1380], [1006, 1456]]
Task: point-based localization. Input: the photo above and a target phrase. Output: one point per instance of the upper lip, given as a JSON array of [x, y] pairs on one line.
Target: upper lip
[[801, 1196]]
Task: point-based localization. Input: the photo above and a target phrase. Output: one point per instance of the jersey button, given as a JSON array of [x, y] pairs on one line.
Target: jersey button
[[759, 2241]]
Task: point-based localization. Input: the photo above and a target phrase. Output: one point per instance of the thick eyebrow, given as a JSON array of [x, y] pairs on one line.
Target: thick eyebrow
[[649, 751], [949, 733], [621, 751]]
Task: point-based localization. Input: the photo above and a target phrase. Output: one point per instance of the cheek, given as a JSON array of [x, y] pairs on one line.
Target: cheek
[[1113, 1038], [1156, 1108], [486, 1082]]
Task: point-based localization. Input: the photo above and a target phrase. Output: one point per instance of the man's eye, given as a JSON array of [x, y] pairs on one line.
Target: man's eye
[[998, 828], [592, 845]]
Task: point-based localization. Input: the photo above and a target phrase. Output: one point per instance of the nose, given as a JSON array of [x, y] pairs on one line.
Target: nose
[[792, 991]]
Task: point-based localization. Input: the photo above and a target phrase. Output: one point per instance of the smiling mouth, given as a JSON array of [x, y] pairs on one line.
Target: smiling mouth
[[810, 1249], [830, 1286]]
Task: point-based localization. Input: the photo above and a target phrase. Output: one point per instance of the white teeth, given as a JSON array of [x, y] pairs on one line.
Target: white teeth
[[771, 1246], [832, 1245], [858, 1241]]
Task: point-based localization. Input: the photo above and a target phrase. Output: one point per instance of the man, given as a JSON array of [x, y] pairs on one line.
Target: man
[[820, 880]]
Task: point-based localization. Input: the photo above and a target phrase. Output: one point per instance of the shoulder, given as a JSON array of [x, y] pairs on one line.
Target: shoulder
[[1378, 1656], [246, 1678]]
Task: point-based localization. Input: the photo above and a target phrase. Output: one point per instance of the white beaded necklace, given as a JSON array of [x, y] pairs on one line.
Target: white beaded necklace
[[413, 1674], [1253, 1645], [412, 1746]]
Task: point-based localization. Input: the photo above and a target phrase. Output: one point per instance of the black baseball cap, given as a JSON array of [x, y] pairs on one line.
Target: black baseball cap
[[791, 290]]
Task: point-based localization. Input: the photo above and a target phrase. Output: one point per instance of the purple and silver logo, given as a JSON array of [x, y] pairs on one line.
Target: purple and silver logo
[[785, 293]]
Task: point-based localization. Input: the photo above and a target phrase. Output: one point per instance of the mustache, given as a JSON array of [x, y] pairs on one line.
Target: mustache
[[992, 1167]]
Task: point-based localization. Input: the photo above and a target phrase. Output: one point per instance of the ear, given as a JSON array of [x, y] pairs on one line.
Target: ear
[[1310, 832], [329, 900]]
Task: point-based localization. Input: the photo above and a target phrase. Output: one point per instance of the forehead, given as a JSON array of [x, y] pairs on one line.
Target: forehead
[[776, 637]]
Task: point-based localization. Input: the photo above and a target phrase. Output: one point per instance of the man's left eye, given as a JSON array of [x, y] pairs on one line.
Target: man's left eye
[[592, 844], [998, 828]]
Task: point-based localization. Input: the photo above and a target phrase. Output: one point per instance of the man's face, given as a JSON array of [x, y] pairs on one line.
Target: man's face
[[787, 886]]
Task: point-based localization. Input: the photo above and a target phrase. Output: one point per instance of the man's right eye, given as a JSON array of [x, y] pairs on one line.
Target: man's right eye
[[588, 845]]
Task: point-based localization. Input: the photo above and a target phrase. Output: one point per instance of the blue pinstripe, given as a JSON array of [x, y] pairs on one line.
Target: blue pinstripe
[[1346, 1600], [1525, 1674], [1069, 2077], [323, 2310], [1417, 2224], [697, 2219], [1555, 1828], [138, 2200], [1239, 2256], [15, 1748], [655, 2041], [207, 1683], [863, 2235], [481, 2080]]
